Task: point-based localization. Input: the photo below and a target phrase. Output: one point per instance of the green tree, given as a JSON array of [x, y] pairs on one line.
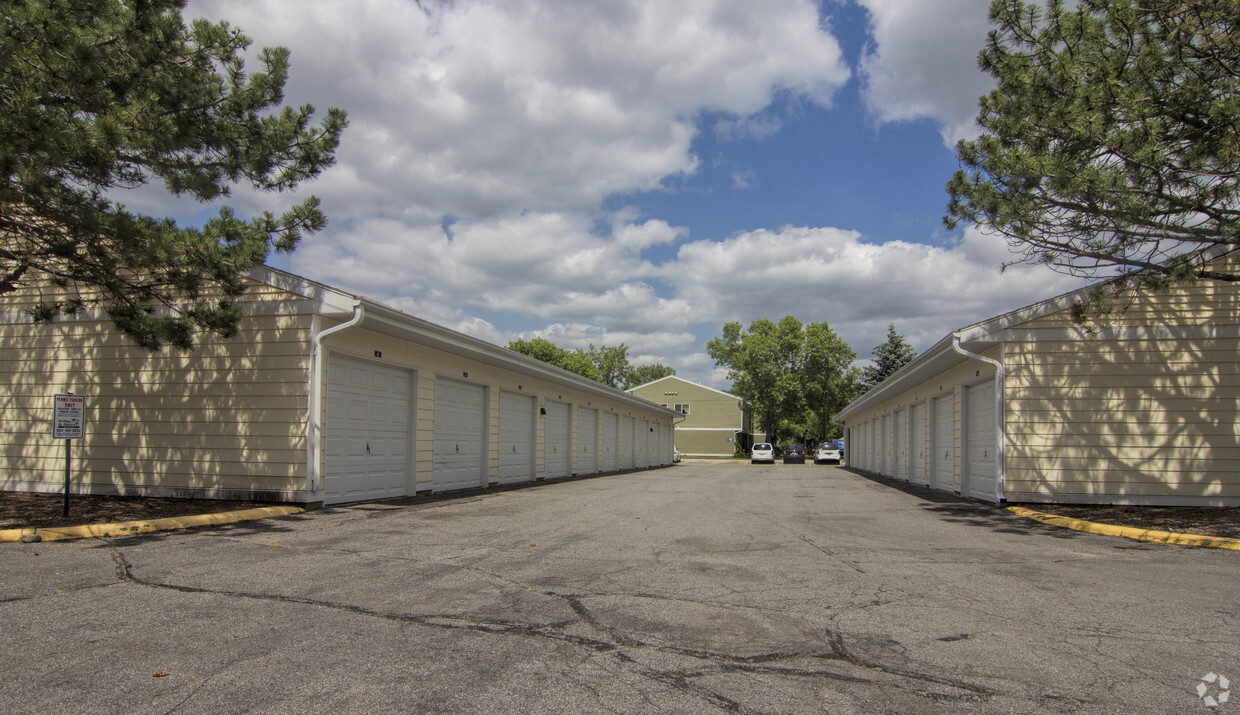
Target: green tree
[[1110, 141], [612, 364], [830, 380], [643, 374], [786, 372], [890, 356], [575, 361], [99, 96]]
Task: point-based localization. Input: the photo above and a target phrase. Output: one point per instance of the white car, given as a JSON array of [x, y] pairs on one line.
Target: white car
[[762, 452], [828, 452]]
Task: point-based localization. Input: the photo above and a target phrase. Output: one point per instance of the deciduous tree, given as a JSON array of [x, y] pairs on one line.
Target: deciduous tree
[[643, 374], [575, 361], [786, 372]]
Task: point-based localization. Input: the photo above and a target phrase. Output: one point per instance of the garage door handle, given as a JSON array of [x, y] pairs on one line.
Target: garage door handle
[[458, 449], [368, 448], [514, 449]]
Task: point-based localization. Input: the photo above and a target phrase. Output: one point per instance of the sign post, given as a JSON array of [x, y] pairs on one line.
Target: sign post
[[67, 424]]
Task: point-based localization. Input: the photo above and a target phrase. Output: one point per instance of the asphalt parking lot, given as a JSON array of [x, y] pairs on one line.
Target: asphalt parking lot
[[705, 587]]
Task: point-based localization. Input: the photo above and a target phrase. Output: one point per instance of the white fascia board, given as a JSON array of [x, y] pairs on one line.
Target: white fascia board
[[988, 330], [389, 321], [331, 302], [937, 359], [687, 382], [980, 336]]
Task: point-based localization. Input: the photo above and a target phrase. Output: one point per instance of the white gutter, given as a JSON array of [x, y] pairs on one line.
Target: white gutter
[[1000, 422], [314, 427]]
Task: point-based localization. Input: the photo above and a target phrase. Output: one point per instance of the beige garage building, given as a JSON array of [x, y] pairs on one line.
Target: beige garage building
[[1141, 408], [322, 397]]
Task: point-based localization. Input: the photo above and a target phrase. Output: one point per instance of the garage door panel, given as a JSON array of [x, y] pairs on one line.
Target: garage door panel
[[611, 438], [943, 459], [587, 441], [981, 442], [368, 440], [460, 435], [516, 438], [557, 447]]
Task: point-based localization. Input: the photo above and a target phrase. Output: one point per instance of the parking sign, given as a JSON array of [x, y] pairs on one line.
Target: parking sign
[[70, 413]]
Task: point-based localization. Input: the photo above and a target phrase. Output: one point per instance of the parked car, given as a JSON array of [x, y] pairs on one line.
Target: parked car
[[762, 452], [828, 453], [794, 453]]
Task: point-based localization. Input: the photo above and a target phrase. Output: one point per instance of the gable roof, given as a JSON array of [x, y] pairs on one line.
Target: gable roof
[[979, 337], [687, 382], [386, 320]]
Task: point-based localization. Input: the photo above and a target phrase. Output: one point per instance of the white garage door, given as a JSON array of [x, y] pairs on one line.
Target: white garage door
[[587, 440], [516, 437], [980, 441], [368, 430], [611, 442], [460, 435], [884, 455], [917, 444], [628, 448], [898, 463], [943, 458], [643, 444], [556, 450]]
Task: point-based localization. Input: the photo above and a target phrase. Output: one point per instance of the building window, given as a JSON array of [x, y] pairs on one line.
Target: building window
[[682, 408]]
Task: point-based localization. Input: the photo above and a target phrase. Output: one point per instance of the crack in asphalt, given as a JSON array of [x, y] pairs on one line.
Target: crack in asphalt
[[614, 643]]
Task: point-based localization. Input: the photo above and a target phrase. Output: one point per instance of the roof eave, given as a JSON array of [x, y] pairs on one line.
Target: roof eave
[[389, 321]]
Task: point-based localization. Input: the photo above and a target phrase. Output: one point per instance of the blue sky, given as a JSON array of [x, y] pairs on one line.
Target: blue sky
[[641, 172]]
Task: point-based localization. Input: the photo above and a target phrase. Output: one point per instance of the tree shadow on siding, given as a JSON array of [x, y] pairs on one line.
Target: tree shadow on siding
[[1128, 420], [228, 415]]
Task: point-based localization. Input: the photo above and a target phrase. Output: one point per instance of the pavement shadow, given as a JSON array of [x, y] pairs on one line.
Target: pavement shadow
[[959, 510]]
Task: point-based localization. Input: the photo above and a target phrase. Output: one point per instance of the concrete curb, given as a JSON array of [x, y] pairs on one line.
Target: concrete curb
[[1129, 532], [129, 528]]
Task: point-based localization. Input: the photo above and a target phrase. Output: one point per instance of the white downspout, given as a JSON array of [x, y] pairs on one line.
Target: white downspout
[[314, 427], [1000, 422]]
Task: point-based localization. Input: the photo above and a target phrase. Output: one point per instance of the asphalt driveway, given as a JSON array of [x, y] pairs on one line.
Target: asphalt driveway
[[705, 587]]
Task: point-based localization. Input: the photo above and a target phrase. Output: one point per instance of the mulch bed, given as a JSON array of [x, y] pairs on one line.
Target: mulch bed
[[20, 510], [1206, 521]]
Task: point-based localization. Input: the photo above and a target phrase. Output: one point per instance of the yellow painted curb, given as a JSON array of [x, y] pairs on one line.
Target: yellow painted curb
[[129, 528], [1130, 532]]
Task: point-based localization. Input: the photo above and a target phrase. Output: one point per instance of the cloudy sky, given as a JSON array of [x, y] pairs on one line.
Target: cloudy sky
[[643, 171]]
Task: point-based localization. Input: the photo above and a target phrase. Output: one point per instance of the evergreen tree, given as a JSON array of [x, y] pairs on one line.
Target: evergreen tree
[[1110, 141], [100, 96], [889, 357]]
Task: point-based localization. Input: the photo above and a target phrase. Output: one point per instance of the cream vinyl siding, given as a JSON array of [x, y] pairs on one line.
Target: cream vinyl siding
[[1133, 419], [229, 419], [869, 439], [224, 420], [430, 362]]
